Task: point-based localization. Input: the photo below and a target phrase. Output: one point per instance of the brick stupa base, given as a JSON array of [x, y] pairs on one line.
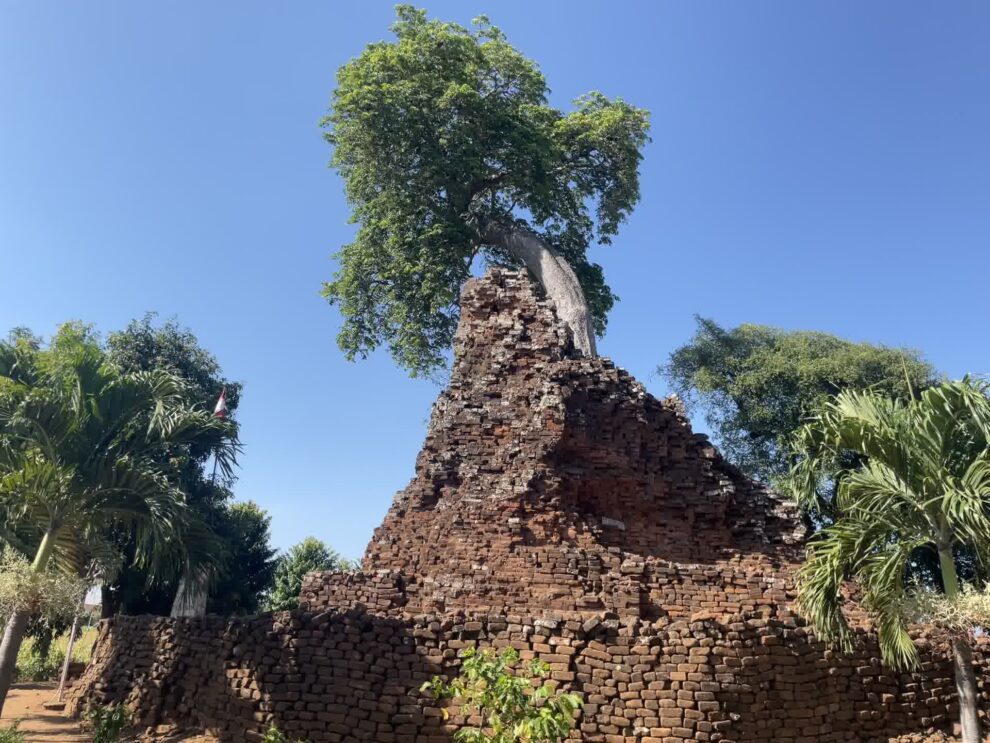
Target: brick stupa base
[[558, 508]]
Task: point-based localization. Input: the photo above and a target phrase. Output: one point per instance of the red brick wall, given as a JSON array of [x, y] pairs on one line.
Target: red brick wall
[[351, 674]]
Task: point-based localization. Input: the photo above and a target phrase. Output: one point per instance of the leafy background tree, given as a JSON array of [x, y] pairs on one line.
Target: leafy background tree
[[244, 532], [758, 385], [309, 555], [241, 532], [233, 538], [449, 151]]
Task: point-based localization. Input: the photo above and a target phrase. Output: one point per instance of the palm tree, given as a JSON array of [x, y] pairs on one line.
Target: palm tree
[[81, 455], [923, 483]]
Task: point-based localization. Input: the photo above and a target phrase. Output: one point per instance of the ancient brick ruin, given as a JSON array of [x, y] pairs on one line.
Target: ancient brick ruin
[[559, 508], [557, 482]]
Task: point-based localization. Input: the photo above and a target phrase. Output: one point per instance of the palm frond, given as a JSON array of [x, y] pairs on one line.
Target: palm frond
[[29, 492], [85, 454], [881, 574], [878, 492], [831, 555], [965, 510]]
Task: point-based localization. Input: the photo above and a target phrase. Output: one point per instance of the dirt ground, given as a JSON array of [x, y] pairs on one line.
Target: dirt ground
[[25, 702]]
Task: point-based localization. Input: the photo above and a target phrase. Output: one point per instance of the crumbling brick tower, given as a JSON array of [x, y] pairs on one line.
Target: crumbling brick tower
[[558, 508], [557, 483]]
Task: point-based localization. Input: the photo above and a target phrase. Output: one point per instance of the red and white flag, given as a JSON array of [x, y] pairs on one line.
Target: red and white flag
[[220, 411]]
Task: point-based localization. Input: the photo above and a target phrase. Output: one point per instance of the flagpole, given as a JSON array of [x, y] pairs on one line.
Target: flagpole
[[220, 411]]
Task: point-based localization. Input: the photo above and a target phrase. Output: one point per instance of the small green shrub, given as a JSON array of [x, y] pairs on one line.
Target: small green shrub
[[514, 708], [274, 735], [108, 722], [47, 594], [35, 665], [11, 734], [31, 667]]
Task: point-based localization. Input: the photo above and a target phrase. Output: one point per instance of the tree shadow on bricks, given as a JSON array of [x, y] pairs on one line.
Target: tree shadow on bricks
[[777, 679], [333, 676]]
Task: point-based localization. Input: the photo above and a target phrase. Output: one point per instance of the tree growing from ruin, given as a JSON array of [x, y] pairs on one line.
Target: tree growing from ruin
[[923, 482], [450, 150]]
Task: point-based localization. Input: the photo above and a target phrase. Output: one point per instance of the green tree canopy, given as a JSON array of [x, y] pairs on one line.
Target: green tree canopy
[[449, 150], [244, 531], [306, 557], [922, 482], [234, 537], [146, 345], [760, 384]]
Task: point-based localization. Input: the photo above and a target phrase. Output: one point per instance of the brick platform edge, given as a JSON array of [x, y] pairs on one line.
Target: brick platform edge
[[353, 674]]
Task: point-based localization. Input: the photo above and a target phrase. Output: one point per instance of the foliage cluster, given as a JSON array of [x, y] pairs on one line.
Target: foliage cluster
[[42, 632], [81, 444], [759, 385], [36, 667], [39, 661], [274, 735], [244, 530], [308, 556], [229, 541], [923, 481], [88, 457], [48, 593], [514, 707], [958, 615], [11, 734], [239, 532]]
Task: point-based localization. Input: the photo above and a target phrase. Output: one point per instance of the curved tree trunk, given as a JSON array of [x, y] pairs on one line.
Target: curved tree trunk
[[554, 274], [13, 634], [962, 656]]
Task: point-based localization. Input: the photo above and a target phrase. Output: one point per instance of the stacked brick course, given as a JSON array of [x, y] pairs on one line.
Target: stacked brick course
[[558, 508]]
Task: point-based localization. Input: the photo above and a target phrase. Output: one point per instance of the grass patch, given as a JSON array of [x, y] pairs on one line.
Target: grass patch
[[30, 668], [11, 734]]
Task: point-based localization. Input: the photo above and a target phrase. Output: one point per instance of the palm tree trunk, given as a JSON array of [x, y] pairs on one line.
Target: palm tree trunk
[[554, 274], [13, 635], [962, 656]]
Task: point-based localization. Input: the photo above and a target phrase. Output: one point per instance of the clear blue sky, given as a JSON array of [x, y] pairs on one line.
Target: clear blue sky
[[815, 165]]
